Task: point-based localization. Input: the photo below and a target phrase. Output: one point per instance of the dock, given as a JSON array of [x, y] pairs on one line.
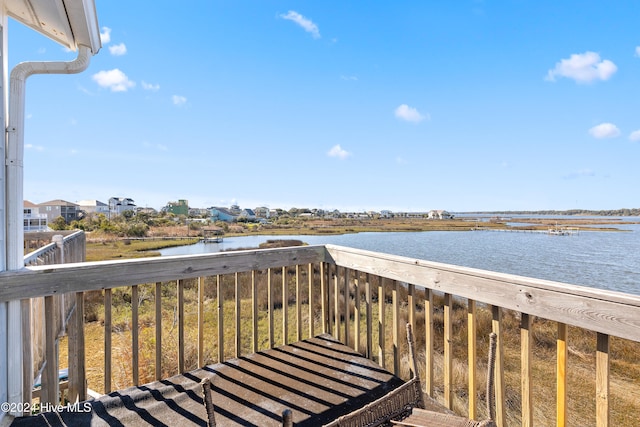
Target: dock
[[555, 231]]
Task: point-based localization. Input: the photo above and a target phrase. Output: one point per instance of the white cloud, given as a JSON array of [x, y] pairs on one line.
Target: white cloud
[[178, 100], [350, 78], [635, 135], [579, 173], [34, 147], [604, 130], [305, 23], [337, 151], [159, 147], [118, 50], [637, 50], [115, 80], [410, 114], [149, 86], [583, 68], [105, 35]]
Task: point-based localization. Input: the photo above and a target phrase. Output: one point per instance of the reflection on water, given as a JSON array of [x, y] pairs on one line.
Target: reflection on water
[[607, 260]]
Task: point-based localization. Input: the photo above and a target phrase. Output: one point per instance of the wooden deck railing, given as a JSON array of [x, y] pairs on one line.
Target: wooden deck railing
[[48, 316], [264, 298]]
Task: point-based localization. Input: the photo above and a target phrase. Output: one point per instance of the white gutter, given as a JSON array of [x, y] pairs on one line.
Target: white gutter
[[19, 358]]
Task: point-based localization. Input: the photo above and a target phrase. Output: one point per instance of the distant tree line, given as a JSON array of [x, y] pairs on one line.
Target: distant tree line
[[611, 212]]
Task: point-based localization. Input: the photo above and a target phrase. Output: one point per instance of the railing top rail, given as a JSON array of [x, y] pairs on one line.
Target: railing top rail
[[610, 312], [32, 256], [36, 281]]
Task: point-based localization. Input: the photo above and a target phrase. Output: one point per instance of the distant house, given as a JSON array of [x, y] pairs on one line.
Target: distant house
[[147, 210], [55, 208], [117, 205], [193, 212], [93, 206], [181, 207], [33, 219], [439, 214], [386, 214], [262, 212], [222, 214], [247, 214]]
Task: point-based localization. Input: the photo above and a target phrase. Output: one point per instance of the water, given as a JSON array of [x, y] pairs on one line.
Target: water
[[605, 260]]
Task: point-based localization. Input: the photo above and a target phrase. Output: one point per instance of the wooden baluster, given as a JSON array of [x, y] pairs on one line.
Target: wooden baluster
[[347, 308], [356, 312], [285, 305], [76, 353], [298, 305], [135, 359], [324, 297], [201, 282], [561, 362], [50, 385], [180, 296], [310, 277], [254, 309], [238, 316], [381, 324], [496, 326], [472, 357], [525, 369], [158, 331], [428, 342], [220, 318], [107, 341], [368, 315], [411, 305], [396, 326], [336, 305], [448, 352], [270, 303], [602, 380]]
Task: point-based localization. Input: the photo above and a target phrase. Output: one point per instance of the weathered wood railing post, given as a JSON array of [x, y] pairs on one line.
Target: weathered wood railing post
[[54, 323]]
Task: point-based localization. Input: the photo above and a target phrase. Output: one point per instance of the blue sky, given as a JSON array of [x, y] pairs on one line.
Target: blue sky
[[406, 105]]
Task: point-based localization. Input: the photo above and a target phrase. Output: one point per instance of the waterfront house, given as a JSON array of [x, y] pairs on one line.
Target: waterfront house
[[55, 208], [222, 214], [33, 219], [93, 207], [439, 214], [181, 207], [118, 205]]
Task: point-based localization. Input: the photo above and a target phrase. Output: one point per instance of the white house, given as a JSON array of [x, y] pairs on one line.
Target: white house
[[74, 25], [117, 205], [439, 214], [33, 219], [93, 206]]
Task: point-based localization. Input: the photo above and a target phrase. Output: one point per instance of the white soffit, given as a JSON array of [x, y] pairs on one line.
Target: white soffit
[[68, 22]]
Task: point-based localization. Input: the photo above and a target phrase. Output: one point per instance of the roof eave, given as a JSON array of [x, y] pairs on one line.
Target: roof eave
[[71, 23]]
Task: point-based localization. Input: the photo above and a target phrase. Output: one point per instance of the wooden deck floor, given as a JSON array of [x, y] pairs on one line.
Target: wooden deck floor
[[319, 379]]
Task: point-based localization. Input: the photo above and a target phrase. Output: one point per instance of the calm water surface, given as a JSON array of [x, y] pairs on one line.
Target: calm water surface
[[606, 260]]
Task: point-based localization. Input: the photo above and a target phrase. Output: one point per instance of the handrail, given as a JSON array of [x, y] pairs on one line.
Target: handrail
[[608, 312], [46, 280]]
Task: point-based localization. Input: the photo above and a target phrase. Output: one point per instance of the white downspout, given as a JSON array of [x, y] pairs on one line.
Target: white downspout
[[19, 358]]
